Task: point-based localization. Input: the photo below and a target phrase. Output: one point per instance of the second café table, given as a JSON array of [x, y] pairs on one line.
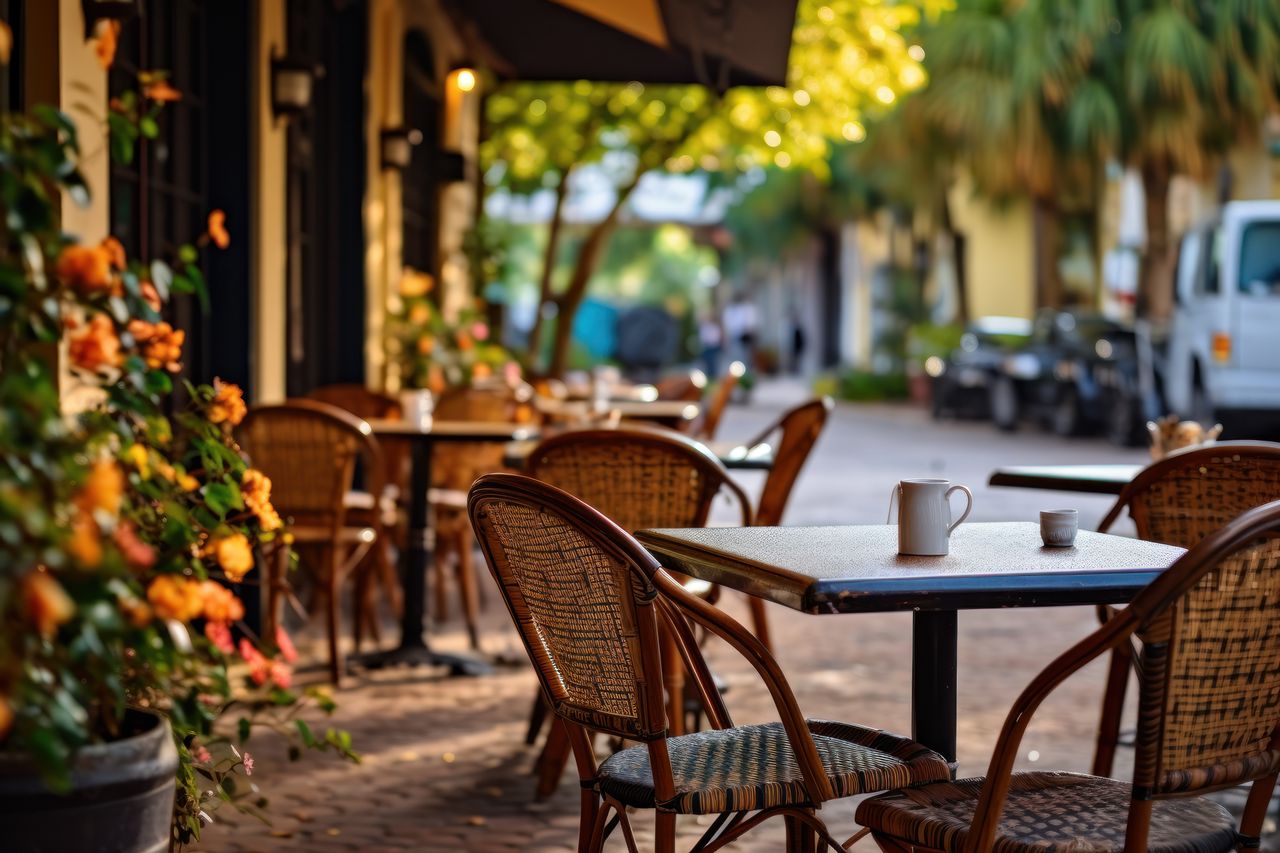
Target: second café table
[[413, 649], [856, 569]]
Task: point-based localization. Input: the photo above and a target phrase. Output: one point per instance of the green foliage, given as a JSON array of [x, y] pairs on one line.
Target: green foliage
[[117, 520], [862, 386], [925, 340]]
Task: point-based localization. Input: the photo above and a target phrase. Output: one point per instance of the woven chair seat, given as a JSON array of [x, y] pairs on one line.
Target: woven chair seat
[[753, 767], [1049, 813]]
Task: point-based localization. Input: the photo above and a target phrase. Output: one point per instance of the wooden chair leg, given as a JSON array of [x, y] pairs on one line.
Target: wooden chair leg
[[466, 573], [333, 617], [537, 716], [664, 836], [552, 760], [277, 566], [440, 589], [587, 821], [1104, 753], [359, 610], [760, 621], [387, 577], [1255, 812]]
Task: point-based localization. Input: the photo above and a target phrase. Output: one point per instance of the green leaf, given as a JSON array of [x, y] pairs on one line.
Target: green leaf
[[148, 127], [244, 728], [304, 731]]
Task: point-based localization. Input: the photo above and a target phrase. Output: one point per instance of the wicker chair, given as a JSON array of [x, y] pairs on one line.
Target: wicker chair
[[587, 600], [310, 451], [1180, 500], [454, 468], [798, 430], [641, 478], [709, 422], [1209, 718], [363, 508]]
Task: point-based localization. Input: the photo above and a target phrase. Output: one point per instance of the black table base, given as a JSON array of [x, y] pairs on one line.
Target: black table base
[[933, 681]]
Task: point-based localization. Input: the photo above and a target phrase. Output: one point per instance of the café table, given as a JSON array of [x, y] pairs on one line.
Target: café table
[[415, 562], [669, 413], [856, 569], [735, 457], [1088, 479]]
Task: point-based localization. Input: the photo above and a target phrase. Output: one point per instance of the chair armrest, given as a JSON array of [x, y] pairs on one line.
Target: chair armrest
[[995, 790], [816, 783]]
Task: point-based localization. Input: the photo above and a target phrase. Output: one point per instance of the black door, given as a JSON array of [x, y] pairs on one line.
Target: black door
[[198, 162], [420, 190], [326, 185]]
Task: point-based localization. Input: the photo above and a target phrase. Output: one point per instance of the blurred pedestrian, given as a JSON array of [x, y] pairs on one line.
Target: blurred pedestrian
[[711, 341], [798, 341], [741, 322]]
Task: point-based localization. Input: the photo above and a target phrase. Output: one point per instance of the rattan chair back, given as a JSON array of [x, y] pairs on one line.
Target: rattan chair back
[[309, 451], [359, 401], [798, 430], [1186, 496], [639, 477], [1209, 683], [580, 592], [688, 387], [714, 411]]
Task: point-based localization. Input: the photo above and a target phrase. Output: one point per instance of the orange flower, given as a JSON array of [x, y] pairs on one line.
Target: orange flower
[[85, 544], [234, 554], [6, 717], [86, 269], [138, 613], [220, 603], [481, 372], [95, 346], [136, 553], [414, 284], [435, 379], [176, 597], [151, 296], [227, 405], [426, 345], [106, 34], [218, 229], [137, 455], [159, 343], [465, 342], [46, 603], [255, 488], [161, 92], [102, 489], [115, 253], [188, 483]]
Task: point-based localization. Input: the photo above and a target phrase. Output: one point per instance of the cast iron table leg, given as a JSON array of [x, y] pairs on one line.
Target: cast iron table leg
[[414, 565], [933, 681]]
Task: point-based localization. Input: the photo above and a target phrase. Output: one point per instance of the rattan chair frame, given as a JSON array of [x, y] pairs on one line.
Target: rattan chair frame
[[654, 597], [343, 547], [709, 423], [1198, 520], [1153, 615]]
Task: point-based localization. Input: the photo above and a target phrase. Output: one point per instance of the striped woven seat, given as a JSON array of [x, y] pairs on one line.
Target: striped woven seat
[[753, 767], [1048, 813]]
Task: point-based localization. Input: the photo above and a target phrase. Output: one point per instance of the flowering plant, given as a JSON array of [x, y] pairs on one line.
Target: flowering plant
[[123, 527], [439, 352]]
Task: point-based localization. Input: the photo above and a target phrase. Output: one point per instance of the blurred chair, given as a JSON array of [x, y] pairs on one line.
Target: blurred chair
[[1209, 699], [688, 386], [309, 450], [797, 432], [1180, 500], [587, 600], [709, 421], [640, 478], [455, 466], [384, 510]]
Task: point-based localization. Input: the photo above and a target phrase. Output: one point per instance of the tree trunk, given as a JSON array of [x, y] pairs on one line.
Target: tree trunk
[[1155, 288], [1047, 227], [533, 356], [588, 256], [955, 239]]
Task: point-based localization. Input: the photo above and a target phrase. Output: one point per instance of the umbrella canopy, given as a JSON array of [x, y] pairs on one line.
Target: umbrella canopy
[[717, 43]]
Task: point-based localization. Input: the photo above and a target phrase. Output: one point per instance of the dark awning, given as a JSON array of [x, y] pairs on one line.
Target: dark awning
[[718, 43]]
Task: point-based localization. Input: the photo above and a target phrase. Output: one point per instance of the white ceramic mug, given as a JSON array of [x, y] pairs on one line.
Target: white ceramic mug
[[1058, 527], [418, 406], [924, 515]]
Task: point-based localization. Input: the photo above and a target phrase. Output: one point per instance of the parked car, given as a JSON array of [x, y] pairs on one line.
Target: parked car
[[1077, 372], [960, 383], [1223, 357]]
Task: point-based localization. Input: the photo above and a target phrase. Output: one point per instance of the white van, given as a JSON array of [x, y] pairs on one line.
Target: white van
[[1224, 344]]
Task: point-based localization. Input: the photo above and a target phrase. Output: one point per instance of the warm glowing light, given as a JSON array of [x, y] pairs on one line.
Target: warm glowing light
[[782, 159], [853, 132], [772, 138], [464, 79], [885, 95], [802, 97], [916, 52]]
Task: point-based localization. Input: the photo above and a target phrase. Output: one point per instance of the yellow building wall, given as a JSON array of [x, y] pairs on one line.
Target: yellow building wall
[[999, 254], [268, 254]]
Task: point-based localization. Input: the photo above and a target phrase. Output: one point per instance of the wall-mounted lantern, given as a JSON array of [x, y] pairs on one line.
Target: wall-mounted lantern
[[108, 10], [464, 78], [292, 83], [397, 147]]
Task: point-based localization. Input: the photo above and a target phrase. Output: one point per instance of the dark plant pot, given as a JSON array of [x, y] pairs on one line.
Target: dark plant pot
[[121, 797]]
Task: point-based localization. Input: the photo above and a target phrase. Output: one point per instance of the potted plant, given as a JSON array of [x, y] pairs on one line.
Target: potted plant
[[129, 681]]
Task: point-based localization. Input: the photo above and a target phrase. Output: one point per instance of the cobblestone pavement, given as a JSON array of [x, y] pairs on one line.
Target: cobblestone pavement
[[444, 762]]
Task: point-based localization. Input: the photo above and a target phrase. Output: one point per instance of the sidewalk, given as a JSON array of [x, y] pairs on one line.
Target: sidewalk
[[445, 766]]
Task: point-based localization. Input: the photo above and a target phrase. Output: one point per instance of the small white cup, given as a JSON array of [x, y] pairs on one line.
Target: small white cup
[[1058, 527], [417, 405]]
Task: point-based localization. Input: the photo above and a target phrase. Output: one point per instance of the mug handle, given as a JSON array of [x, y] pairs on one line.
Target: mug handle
[[897, 490], [968, 507]]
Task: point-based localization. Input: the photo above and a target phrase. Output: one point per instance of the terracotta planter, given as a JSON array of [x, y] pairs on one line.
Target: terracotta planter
[[121, 799]]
